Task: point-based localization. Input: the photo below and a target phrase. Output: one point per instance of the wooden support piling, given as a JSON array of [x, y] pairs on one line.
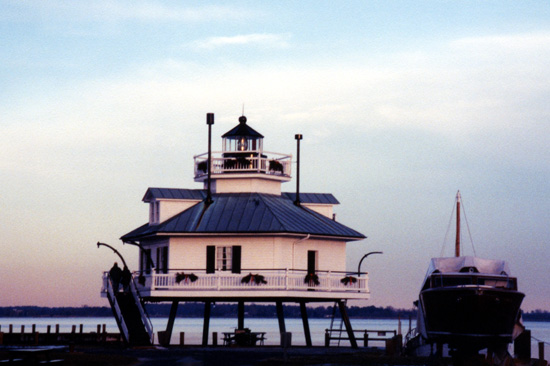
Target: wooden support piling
[[182, 339], [206, 322], [240, 315], [305, 321], [11, 328], [214, 338], [81, 328], [57, 329], [280, 316], [171, 318], [347, 323]]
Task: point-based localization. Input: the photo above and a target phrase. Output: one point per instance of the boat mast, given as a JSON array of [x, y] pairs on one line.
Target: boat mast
[[457, 241]]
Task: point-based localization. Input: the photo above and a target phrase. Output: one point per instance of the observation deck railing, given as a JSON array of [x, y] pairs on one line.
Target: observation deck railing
[[249, 162]]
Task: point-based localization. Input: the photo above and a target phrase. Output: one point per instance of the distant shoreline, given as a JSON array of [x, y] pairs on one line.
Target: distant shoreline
[[195, 310]]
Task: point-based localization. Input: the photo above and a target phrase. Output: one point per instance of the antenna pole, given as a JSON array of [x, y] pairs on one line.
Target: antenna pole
[[457, 241], [209, 122]]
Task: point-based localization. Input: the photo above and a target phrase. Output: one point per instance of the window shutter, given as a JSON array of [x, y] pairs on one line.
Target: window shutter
[[236, 260], [210, 259]]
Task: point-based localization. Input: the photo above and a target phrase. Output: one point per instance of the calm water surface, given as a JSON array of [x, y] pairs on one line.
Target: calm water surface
[[193, 328]]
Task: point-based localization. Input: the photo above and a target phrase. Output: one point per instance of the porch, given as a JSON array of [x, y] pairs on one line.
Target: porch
[[251, 283]]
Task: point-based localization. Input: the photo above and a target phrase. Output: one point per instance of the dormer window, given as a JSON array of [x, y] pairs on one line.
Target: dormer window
[[154, 212]]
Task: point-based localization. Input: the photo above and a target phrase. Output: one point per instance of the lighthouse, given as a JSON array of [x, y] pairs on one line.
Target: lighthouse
[[240, 238]]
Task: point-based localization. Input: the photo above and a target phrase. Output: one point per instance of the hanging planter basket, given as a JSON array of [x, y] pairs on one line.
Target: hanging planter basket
[[312, 279], [202, 166], [348, 280], [257, 279], [275, 166], [181, 276]]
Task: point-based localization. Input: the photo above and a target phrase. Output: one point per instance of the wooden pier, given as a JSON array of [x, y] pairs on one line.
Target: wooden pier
[[52, 335]]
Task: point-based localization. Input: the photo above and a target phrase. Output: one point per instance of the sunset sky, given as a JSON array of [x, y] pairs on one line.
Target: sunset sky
[[401, 104]]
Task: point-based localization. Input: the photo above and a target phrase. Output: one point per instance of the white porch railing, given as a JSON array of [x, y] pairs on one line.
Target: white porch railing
[[275, 280], [263, 162]]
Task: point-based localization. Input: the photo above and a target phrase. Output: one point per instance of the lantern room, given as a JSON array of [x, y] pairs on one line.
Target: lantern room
[[242, 141]]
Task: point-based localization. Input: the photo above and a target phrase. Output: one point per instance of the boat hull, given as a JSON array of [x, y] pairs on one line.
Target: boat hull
[[470, 316]]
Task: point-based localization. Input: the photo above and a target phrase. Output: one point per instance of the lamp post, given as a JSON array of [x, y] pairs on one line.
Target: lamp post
[[209, 122], [298, 137], [114, 250], [361, 261]]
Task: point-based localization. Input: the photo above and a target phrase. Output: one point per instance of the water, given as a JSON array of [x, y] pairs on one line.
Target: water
[[193, 328]]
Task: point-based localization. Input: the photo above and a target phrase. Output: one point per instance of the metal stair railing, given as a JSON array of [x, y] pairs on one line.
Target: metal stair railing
[[118, 313], [142, 311]]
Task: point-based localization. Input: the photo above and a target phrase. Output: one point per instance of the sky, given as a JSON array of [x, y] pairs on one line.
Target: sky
[[401, 104]]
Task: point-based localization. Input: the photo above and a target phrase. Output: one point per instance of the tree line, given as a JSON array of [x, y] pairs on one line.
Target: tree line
[[223, 310]]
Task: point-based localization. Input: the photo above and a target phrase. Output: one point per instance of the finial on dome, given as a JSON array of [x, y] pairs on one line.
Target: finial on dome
[[242, 119]]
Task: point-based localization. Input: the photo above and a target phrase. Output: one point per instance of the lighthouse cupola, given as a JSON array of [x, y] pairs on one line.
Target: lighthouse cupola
[[243, 165], [242, 141]]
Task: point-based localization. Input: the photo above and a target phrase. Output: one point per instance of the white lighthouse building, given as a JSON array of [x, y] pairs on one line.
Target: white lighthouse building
[[240, 238]]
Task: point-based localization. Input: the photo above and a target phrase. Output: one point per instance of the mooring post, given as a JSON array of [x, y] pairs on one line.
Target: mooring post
[[542, 362], [214, 338], [182, 339]]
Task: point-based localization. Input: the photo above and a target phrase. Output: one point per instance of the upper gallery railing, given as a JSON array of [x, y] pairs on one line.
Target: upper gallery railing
[[251, 162], [253, 280]]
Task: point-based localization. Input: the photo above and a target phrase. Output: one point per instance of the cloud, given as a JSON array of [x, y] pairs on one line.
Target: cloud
[[256, 39], [110, 11]]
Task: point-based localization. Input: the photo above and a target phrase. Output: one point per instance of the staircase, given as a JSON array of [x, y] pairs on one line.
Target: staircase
[[330, 334], [130, 315]]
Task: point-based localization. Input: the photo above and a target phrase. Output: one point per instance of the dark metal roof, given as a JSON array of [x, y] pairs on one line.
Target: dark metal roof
[[200, 194], [239, 213], [242, 129], [174, 193], [323, 198]]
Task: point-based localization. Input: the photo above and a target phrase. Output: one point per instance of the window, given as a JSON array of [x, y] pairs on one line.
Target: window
[[226, 258], [154, 212], [223, 258], [311, 261], [146, 261], [162, 259]]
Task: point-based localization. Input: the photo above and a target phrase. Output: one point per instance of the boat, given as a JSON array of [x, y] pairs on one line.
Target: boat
[[468, 303]]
